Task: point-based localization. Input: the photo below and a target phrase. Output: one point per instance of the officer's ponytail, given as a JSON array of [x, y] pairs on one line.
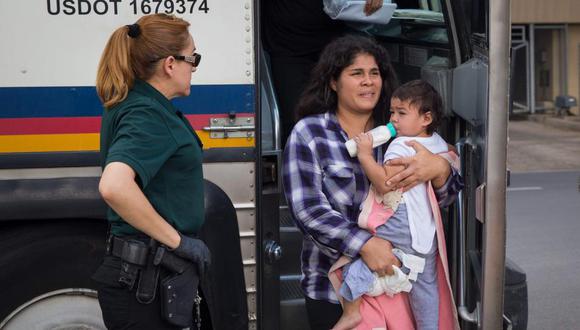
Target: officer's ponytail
[[133, 51], [115, 75]]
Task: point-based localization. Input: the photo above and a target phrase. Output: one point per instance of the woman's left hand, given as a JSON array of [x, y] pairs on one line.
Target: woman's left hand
[[372, 5], [423, 167]]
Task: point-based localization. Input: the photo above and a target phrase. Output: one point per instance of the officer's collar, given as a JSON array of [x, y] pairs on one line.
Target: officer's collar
[[143, 87]]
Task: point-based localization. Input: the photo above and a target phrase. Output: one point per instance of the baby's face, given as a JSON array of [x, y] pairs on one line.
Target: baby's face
[[407, 119]]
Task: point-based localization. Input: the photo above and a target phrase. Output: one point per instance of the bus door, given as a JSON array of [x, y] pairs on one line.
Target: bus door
[[270, 194], [445, 42], [426, 39], [480, 99], [280, 302]]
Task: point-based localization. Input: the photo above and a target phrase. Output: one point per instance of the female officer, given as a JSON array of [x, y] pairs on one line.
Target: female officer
[[152, 166], [348, 94]]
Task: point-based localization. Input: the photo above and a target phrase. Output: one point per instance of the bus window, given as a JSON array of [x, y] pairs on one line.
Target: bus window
[[477, 12], [421, 21], [416, 32], [417, 39]]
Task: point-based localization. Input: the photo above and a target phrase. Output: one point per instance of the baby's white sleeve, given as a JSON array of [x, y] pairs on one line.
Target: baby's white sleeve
[[398, 149]]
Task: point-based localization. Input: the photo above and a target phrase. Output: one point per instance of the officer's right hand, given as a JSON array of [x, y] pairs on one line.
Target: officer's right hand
[[195, 250]]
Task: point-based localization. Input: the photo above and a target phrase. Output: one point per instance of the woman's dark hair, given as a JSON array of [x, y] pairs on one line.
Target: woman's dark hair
[[318, 97], [425, 97]]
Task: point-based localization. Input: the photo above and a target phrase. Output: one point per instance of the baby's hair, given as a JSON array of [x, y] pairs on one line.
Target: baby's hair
[[421, 94]]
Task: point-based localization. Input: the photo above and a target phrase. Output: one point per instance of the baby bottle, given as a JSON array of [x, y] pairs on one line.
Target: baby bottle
[[380, 134]]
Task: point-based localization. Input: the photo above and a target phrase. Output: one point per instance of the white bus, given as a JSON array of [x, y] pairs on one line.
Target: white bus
[[52, 219]]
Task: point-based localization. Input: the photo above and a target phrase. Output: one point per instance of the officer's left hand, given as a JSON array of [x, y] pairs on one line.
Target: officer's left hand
[[195, 250]]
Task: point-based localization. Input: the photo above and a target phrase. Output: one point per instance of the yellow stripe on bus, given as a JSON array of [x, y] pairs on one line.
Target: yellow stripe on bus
[[49, 142], [90, 142]]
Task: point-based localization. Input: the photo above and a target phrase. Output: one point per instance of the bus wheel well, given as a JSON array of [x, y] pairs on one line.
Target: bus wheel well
[[38, 257]]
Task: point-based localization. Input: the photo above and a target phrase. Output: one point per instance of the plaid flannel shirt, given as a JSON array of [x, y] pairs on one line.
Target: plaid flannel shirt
[[324, 188]]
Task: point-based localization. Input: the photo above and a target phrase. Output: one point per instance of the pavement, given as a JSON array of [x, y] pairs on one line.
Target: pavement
[[542, 238], [543, 143], [571, 123], [543, 215]]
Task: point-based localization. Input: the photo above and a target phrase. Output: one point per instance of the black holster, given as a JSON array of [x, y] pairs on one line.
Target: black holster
[[178, 291], [147, 287]]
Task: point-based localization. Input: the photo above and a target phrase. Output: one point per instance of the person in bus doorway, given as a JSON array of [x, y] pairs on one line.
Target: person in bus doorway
[[152, 178], [294, 34], [409, 220], [347, 95]]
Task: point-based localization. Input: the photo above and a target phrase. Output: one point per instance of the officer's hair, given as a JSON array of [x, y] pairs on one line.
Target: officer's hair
[[133, 52], [424, 96]]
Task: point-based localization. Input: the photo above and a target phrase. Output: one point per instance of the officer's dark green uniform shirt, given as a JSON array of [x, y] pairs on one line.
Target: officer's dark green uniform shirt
[[146, 132]]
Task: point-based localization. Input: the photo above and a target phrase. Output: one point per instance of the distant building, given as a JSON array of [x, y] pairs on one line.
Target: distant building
[[546, 53]]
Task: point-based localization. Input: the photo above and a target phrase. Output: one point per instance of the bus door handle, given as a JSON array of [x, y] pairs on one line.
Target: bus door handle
[[272, 251], [480, 203], [507, 323], [462, 310]]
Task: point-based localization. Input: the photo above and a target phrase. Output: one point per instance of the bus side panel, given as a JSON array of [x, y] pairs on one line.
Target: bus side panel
[[49, 107], [237, 180]]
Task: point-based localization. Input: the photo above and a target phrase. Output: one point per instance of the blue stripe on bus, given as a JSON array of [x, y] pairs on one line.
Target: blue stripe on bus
[[27, 102]]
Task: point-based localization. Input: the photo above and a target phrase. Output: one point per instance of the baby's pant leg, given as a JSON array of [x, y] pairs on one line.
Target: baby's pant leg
[[357, 277], [424, 296]]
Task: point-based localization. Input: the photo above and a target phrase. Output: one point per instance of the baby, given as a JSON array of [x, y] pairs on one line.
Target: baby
[[416, 109]]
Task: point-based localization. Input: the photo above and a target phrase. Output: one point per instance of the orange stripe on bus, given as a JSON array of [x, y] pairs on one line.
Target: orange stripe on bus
[[90, 142]]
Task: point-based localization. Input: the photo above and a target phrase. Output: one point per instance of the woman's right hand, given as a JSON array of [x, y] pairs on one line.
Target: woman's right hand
[[377, 253], [364, 144]]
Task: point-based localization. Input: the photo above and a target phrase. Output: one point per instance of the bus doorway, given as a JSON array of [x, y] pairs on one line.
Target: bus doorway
[[446, 43]]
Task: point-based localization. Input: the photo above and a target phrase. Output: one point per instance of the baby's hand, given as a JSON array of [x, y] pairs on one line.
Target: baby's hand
[[364, 143]]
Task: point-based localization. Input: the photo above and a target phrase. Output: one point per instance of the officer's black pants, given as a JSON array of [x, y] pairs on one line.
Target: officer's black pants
[[120, 308]]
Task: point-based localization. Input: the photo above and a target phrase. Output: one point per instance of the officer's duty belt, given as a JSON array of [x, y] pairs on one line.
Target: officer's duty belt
[[135, 251], [129, 250]]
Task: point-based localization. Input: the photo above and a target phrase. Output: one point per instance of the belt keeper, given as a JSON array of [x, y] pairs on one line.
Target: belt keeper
[[159, 254], [135, 252], [109, 245]]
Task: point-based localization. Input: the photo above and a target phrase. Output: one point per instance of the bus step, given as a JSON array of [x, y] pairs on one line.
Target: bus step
[[293, 315], [292, 309], [291, 242], [290, 287], [285, 218]]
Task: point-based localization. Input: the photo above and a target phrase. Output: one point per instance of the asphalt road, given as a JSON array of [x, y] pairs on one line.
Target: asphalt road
[[543, 237], [543, 220]]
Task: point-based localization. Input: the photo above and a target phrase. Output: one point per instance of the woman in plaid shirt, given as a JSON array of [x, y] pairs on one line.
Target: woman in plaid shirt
[[348, 94]]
